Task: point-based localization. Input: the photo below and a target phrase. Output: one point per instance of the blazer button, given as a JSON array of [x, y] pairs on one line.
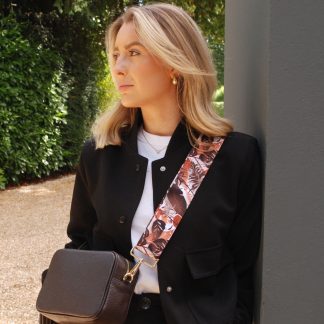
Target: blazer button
[[162, 168], [145, 303], [138, 167], [169, 289], [122, 219]]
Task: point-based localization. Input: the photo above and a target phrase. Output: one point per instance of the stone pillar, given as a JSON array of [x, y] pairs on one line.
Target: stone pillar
[[274, 90]]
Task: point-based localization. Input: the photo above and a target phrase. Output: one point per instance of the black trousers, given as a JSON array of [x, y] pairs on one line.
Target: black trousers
[[144, 309]]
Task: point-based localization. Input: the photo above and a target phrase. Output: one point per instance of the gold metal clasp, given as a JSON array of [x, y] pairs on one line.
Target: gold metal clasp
[[130, 274], [136, 257]]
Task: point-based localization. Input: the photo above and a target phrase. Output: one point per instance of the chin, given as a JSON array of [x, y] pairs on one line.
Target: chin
[[129, 103]]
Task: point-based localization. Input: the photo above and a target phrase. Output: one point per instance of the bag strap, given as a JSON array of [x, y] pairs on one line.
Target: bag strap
[[176, 201]]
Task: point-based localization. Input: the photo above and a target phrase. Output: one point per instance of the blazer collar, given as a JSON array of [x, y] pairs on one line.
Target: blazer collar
[[179, 138]]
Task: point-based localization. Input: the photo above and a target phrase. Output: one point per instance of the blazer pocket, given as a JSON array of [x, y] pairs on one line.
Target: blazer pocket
[[207, 262]]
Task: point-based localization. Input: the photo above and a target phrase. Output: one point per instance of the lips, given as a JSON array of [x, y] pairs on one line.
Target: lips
[[124, 86]]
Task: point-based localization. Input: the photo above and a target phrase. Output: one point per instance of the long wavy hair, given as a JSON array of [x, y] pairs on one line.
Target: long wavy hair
[[173, 37]]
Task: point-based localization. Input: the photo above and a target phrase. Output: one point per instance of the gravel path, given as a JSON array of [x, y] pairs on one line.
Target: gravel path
[[33, 220]]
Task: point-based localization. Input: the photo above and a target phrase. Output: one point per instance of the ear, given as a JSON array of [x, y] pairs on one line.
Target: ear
[[173, 73]]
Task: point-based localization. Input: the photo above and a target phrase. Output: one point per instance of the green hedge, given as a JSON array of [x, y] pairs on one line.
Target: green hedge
[[32, 106], [74, 38], [218, 101], [218, 56], [53, 79]]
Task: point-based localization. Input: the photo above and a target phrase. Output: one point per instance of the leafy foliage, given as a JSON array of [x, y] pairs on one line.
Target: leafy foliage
[[218, 56], [3, 180], [218, 100], [60, 62], [209, 15], [32, 102]]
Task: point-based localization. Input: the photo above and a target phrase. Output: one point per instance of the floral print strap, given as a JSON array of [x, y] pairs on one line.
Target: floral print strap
[[169, 213]]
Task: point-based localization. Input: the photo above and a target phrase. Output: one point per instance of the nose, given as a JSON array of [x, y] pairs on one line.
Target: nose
[[120, 66]]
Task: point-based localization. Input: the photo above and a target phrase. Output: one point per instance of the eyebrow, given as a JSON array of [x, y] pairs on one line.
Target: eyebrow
[[130, 44]]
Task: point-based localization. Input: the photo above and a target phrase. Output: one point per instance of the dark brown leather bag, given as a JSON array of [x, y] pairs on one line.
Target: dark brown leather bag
[[95, 279]]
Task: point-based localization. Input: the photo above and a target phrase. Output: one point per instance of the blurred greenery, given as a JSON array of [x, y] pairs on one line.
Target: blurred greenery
[[3, 180], [218, 100], [33, 105], [54, 77]]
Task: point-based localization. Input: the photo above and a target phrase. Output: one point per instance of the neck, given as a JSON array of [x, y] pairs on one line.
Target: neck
[[161, 122], [161, 115]]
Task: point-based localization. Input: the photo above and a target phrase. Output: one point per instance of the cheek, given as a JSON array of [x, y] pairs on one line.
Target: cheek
[[151, 73], [154, 79]]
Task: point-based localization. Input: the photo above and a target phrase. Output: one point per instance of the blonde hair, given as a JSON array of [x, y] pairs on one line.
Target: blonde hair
[[172, 36]]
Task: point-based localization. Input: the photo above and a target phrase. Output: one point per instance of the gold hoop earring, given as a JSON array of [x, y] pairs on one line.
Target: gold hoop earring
[[174, 81]]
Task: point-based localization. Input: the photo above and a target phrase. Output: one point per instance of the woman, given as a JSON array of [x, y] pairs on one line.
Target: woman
[[163, 70]]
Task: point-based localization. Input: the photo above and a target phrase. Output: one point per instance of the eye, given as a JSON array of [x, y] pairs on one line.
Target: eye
[[134, 53], [114, 56]]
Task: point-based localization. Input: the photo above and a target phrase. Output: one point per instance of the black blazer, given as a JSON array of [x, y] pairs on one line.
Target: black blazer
[[206, 271]]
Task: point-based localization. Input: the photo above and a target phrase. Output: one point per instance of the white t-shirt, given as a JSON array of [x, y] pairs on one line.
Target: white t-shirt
[[148, 279]]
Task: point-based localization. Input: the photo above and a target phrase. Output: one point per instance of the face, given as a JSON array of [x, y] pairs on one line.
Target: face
[[141, 79]]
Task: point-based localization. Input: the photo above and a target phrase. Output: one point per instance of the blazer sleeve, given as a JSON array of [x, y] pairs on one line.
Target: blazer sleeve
[[82, 212], [245, 233]]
